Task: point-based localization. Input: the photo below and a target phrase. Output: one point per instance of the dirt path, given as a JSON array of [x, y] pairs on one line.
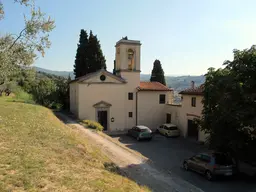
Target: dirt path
[[134, 166]]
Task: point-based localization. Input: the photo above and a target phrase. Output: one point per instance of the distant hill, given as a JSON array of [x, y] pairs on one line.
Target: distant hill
[[178, 83], [59, 73]]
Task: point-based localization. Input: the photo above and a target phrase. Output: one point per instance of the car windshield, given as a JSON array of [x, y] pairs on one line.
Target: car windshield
[[222, 159], [171, 128]]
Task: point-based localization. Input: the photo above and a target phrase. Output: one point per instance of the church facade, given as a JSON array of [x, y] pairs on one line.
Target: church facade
[[120, 101]]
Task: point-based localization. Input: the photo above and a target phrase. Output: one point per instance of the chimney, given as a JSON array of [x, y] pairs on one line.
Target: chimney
[[192, 84]]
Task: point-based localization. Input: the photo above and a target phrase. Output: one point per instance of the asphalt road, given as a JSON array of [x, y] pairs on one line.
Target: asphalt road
[[168, 155]]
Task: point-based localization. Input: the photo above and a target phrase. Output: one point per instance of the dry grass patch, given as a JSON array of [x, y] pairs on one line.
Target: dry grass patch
[[39, 153]]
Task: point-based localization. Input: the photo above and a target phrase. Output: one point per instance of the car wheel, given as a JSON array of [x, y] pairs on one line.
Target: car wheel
[[138, 138], [185, 166], [209, 175]]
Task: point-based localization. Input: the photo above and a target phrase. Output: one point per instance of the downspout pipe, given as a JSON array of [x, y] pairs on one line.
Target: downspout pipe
[[136, 107]]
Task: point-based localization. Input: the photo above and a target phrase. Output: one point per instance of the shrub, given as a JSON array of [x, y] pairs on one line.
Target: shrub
[[22, 96], [56, 106], [44, 92], [8, 87], [93, 125]]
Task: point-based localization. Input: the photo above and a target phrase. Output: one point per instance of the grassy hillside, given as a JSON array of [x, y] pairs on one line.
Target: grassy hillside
[[39, 153]]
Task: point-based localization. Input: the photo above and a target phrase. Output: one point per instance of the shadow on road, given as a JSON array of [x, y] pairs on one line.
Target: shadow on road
[[168, 154]]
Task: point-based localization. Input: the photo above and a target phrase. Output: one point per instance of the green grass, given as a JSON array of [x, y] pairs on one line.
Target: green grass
[[21, 96], [39, 153]]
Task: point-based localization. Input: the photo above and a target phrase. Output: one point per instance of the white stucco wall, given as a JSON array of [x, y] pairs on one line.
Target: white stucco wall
[[150, 112], [186, 104], [132, 78], [73, 93], [116, 95], [175, 111], [181, 114], [96, 79]]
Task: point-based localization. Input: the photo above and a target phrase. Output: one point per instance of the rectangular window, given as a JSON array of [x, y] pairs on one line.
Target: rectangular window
[[130, 96], [193, 101], [130, 114], [162, 99]]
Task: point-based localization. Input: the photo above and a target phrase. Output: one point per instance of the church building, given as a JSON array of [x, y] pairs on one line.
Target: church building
[[120, 101]]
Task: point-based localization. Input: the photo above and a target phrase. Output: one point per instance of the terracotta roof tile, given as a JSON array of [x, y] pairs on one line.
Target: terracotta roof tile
[[153, 86], [193, 91]]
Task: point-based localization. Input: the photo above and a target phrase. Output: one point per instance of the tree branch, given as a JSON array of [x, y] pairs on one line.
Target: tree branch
[[17, 38]]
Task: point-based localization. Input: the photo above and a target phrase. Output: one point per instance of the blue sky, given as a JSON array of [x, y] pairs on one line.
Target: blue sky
[[187, 36]]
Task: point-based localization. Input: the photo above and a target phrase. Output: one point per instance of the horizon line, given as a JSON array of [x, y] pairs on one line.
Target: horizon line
[[141, 73]]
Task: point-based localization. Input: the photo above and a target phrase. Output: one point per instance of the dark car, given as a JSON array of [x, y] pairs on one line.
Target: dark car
[[140, 132], [247, 167], [211, 164]]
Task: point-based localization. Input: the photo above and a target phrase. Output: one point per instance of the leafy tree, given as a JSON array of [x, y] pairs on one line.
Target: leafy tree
[[96, 58], [62, 92], [11, 86], [26, 78], [47, 89], [20, 49], [81, 61], [44, 92], [12, 59], [230, 105], [34, 35], [157, 73], [8, 88]]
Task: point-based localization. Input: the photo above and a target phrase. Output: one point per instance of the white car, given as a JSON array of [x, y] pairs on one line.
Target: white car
[[169, 130]]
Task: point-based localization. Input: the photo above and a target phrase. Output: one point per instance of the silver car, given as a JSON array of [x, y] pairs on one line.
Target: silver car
[[211, 164]]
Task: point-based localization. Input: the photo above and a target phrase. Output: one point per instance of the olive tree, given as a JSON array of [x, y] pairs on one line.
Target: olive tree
[[17, 50]]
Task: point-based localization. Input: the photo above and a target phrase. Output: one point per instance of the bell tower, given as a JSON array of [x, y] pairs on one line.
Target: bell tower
[[127, 62]]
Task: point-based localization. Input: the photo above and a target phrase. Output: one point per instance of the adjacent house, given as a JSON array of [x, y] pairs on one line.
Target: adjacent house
[[190, 108], [120, 101]]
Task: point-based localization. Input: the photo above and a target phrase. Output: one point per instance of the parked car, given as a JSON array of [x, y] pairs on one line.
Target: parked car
[[140, 132], [211, 164], [169, 130], [247, 167]]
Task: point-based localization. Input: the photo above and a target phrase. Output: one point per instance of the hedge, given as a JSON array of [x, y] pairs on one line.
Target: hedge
[[93, 125]]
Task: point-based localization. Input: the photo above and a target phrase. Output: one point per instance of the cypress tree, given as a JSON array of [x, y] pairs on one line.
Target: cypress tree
[[96, 59], [81, 61], [114, 70], [157, 73]]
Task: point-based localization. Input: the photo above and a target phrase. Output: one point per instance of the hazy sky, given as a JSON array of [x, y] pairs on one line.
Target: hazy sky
[[187, 36]]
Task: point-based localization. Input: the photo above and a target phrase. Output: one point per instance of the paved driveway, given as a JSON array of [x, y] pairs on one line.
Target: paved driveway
[[168, 154]]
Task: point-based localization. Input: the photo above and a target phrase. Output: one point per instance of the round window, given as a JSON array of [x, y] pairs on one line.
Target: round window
[[102, 77]]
